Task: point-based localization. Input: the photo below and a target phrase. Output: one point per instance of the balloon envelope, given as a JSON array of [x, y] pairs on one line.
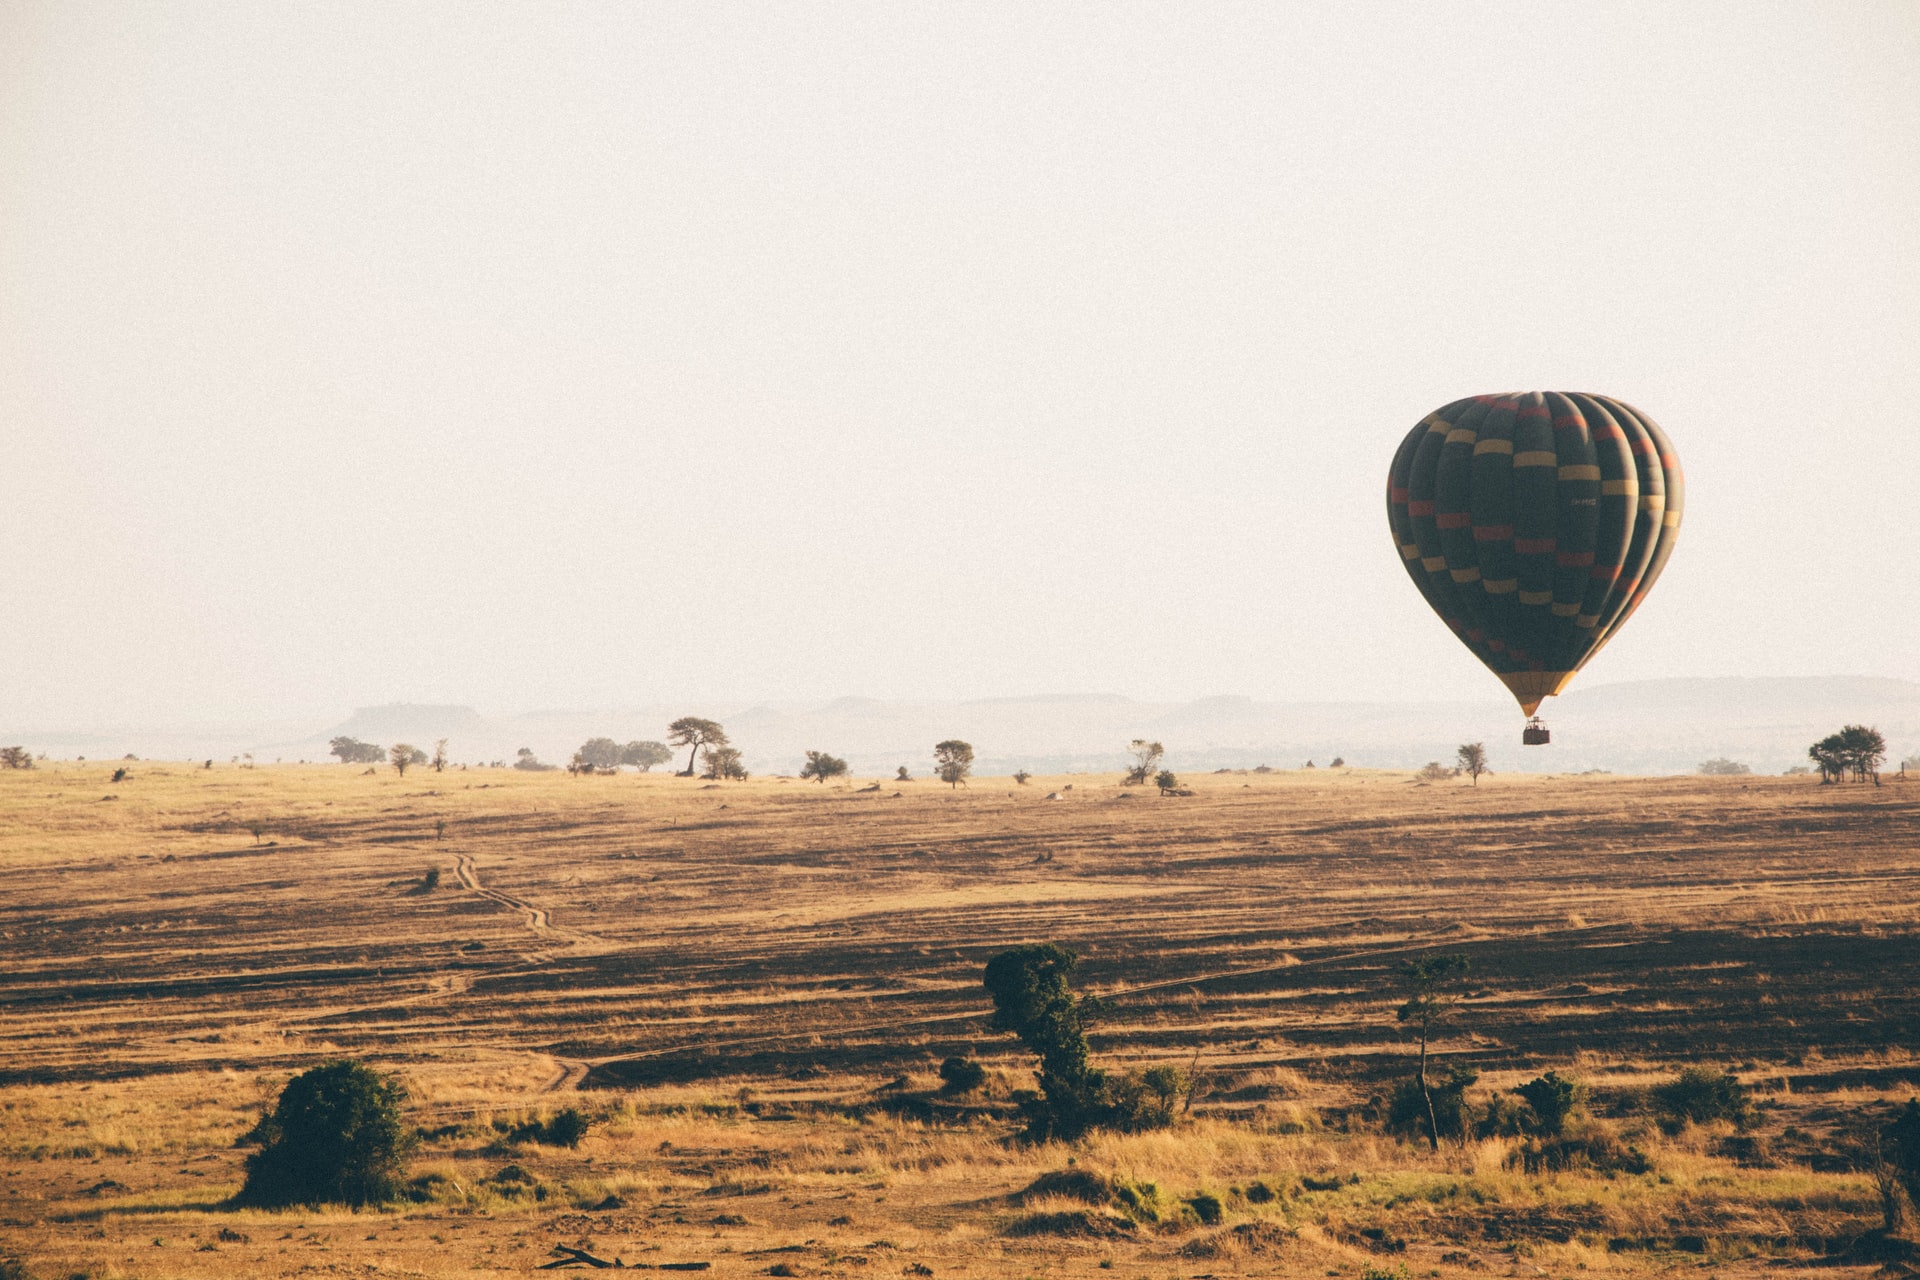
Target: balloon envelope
[[1535, 523]]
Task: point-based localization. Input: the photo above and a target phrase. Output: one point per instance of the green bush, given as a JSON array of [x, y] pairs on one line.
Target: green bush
[[1552, 1100], [961, 1076], [1701, 1094], [1207, 1207], [335, 1137], [1146, 1101], [567, 1128]]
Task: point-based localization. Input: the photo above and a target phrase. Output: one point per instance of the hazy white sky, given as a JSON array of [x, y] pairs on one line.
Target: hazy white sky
[[542, 354]]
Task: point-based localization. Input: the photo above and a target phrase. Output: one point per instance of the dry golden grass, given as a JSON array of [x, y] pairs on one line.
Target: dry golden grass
[[736, 974]]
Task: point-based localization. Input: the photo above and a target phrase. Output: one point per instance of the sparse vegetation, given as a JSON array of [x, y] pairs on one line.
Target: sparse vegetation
[[439, 761], [1721, 767], [525, 761], [790, 1087], [1550, 1099], [1022, 777], [1434, 771]]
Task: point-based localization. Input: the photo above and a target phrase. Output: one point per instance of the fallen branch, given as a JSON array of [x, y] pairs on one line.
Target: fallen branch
[[581, 1258]]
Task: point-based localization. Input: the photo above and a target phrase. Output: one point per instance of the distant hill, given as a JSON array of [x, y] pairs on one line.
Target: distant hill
[[1652, 726]]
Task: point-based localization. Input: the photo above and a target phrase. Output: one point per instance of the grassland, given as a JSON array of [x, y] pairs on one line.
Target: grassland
[[749, 988]]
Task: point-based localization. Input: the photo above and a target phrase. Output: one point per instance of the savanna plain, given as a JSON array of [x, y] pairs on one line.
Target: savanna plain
[[748, 988]]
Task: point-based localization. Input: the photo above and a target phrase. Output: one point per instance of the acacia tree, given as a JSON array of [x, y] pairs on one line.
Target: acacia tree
[[1146, 762], [953, 761], [644, 755], [1428, 984], [439, 761], [695, 734], [1473, 760], [402, 754], [15, 758], [820, 766]]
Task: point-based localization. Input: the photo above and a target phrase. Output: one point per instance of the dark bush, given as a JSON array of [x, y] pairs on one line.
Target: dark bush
[[1070, 1184], [1407, 1113], [1260, 1193], [335, 1137], [1701, 1094], [567, 1128], [1552, 1100], [961, 1075], [1207, 1207]]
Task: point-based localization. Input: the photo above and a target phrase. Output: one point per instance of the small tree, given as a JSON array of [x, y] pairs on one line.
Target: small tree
[[695, 734], [1166, 781], [1551, 1099], [1721, 767], [525, 759], [15, 758], [723, 763], [1021, 776], [439, 761], [903, 775], [820, 766], [1031, 999], [335, 1137], [1427, 984], [644, 755], [600, 753], [1473, 760], [1855, 749], [403, 754], [1146, 762], [953, 761]]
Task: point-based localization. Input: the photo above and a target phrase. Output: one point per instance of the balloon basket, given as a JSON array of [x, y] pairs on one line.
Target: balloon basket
[[1535, 734]]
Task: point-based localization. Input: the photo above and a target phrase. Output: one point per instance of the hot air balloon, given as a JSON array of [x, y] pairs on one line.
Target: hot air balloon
[[1535, 523]]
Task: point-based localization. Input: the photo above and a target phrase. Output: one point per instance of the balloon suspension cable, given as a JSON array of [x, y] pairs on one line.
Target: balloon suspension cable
[[1536, 733]]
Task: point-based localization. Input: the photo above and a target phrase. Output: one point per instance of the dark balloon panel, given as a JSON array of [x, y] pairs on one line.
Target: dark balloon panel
[[1535, 524]]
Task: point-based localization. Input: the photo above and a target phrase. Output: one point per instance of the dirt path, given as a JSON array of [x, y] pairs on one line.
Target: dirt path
[[569, 1074], [536, 918]]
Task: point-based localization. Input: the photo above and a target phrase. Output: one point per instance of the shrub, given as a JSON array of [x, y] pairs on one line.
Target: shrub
[[1207, 1207], [335, 1137], [1407, 1113], [961, 1075], [1260, 1193], [431, 880], [1147, 1100], [1434, 771], [1721, 767], [1701, 1094], [1552, 1100], [567, 1128]]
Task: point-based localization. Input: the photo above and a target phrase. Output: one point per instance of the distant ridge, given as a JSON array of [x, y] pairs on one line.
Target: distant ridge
[[405, 721]]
